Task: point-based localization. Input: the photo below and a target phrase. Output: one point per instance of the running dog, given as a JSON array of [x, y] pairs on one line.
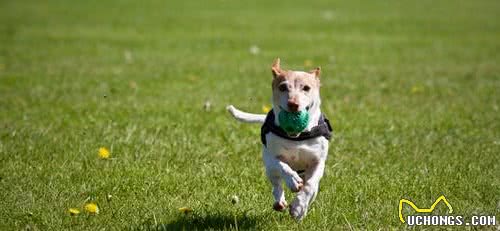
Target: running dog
[[297, 158]]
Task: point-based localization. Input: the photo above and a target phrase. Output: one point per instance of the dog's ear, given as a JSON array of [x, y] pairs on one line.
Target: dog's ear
[[276, 69], [316, 72]]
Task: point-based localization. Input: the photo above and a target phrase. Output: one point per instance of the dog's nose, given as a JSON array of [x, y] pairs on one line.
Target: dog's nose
[[293, 106]]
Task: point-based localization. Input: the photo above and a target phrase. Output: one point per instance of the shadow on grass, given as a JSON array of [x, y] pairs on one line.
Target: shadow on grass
[[213, 222]]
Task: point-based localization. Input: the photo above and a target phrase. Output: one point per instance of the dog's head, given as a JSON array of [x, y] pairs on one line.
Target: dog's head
[[294, 91]]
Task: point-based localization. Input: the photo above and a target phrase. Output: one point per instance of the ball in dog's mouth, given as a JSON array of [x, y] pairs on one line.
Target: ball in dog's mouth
[[293, 122]]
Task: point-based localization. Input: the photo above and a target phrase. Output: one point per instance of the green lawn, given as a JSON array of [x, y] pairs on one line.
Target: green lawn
[[412, 89]]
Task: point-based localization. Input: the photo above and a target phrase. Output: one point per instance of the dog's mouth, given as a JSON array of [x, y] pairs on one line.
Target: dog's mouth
[[307, 109]]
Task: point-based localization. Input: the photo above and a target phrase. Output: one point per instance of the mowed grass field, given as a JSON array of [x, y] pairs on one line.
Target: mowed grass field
[[411, 89]]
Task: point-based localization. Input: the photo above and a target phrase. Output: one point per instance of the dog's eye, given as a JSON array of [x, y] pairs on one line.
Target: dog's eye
[[306, 88], [283, 87]]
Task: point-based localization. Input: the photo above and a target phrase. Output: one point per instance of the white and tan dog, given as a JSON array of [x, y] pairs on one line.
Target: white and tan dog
[[299, 159]]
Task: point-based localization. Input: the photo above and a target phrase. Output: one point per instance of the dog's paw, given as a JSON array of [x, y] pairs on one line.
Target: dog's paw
[[280, 206], [294, 182], [298, 210]]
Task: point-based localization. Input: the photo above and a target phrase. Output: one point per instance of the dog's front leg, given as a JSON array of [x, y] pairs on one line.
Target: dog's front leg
[[275, 171], [292, 179], [279, 196], [304, 198]]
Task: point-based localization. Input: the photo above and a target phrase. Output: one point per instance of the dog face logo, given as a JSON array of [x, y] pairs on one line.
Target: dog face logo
[[418, 210]]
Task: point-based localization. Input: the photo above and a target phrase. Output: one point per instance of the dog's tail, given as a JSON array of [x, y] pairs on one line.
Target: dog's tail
[[246, 117]]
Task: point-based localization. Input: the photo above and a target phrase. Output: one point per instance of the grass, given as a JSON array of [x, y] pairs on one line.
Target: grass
[[412, 90]]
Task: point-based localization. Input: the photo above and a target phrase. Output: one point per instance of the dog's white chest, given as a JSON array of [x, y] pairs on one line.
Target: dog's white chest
[[300, 155]]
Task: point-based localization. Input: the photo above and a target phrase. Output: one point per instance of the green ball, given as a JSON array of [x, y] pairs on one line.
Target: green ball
[[293, 122]]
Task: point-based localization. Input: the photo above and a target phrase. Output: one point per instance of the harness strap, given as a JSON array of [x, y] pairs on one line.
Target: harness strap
[[322, 129]]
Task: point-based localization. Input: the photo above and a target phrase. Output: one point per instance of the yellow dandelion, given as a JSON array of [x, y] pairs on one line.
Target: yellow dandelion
[[92, 208], [266, 108], [308, 63], [416, 89], [185, 210], [73, 211], [104, 153]]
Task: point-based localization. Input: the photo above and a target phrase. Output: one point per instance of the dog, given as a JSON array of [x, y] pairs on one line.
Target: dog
[[298, 159]]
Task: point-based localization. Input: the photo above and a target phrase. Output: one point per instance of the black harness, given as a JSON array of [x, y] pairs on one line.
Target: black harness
[[322, 129]]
